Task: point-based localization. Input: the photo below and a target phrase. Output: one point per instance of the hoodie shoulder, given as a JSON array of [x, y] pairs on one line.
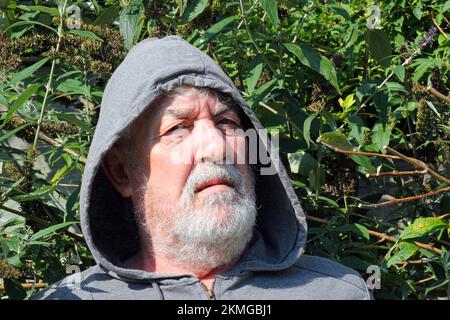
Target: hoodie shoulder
[[71, 287], [333, 276]]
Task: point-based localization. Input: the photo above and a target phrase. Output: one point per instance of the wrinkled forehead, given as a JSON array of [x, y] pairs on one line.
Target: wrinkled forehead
[[186, 99]]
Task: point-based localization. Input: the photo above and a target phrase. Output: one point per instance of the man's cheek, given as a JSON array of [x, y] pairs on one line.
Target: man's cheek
[[182, 154]]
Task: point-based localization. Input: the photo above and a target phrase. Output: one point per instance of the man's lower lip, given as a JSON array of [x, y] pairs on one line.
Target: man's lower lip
[[215, 188]]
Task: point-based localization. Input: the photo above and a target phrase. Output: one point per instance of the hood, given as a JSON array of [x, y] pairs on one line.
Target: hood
[[154, 66]]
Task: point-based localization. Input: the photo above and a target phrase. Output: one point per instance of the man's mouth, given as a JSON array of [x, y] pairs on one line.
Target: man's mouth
[[213, 183]]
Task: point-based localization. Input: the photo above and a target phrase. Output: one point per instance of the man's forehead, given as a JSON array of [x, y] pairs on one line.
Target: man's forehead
[[182, 106]]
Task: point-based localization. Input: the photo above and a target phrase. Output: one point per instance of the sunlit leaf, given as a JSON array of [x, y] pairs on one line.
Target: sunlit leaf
[[421, 227]]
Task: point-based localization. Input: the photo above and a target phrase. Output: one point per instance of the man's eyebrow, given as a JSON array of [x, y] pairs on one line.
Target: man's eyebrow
[[184, 113]]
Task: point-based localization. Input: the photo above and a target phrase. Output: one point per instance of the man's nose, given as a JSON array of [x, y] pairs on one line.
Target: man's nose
[[209, 143]]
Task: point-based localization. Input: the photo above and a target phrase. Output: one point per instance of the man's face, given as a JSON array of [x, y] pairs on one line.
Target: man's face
[[182, 195]]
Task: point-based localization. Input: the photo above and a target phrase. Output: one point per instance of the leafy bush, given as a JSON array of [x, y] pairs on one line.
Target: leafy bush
[[362, 113]]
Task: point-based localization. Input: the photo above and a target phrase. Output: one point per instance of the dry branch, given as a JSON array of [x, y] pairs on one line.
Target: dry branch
[[383, 236]]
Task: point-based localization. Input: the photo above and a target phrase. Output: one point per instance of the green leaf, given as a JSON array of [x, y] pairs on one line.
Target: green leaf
[[445, 128], [24, 23], [9, 134], [15, 261], [363, 161], [254, 72], [406, 251], [446, 6], [436, 284], [363, 90], [417, 11], [50, 230], [336, 139], [312, 59], [422, 66], [316, 180], [41, 191], [343, 10], [212, 32], [358, 129], [421, 227], [51, 11], [107, 16], [260, 93], [129, 22], [329, 119], [72, 204], [74, 86], [301, 162], [73, 119], [307, 129], [395, 86], [193, 9], [21, 100], [356, 263], [25, 73], [381, 135], [328, 200], [379, 46], [399, 71], [355, 228], [270, 6], [86, 34]]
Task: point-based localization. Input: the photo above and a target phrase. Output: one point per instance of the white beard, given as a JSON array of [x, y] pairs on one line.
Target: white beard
[[204, 238]]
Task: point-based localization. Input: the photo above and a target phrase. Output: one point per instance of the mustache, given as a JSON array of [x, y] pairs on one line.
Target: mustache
[[203, 173]]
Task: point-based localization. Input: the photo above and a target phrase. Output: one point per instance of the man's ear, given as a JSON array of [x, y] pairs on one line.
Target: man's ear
[[115, 166]]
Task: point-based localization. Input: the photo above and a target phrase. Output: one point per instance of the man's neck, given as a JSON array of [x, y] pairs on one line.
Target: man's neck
[[142, 261]]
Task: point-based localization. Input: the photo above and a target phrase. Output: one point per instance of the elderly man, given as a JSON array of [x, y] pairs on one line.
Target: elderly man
[[171, 205]]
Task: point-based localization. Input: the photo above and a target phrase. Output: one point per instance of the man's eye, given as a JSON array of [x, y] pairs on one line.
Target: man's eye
[[228, 123], [177, 128]]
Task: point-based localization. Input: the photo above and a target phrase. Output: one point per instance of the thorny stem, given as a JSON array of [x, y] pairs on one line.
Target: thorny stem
[[50, 78]]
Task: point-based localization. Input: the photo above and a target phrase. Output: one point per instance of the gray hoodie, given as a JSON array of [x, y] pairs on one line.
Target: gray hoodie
[[272, 267]]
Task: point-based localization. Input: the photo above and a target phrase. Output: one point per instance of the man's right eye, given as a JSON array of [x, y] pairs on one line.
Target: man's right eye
[[177, 128]]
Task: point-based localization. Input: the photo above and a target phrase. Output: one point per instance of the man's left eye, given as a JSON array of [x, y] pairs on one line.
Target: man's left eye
[[228, 122]]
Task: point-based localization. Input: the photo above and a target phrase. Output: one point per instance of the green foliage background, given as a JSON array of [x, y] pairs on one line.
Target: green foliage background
[[309, 69]]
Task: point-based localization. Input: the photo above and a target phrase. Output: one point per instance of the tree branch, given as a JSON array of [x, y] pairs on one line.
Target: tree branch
[[419, 165], [401, 200], [361, 153], [28, 285], [395, 173], [382, 236], [437, 94]]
